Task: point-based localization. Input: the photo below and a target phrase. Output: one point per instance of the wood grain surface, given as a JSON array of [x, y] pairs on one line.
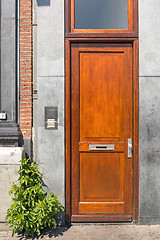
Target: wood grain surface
[[101, 112]]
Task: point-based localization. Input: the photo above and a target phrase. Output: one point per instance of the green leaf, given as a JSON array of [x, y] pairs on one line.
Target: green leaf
[[13, 232], [31, 210]]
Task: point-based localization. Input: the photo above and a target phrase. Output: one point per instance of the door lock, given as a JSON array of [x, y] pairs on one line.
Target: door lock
[[129, 147]]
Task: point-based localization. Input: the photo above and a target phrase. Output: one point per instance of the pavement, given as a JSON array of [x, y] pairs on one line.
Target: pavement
[[93, 232]]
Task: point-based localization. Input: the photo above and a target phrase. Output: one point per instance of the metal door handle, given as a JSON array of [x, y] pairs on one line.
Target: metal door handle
[[108, 147], [129, 147]]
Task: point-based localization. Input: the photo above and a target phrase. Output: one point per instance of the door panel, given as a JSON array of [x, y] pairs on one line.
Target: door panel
[[101, 177], [99, 93], [101, 123]]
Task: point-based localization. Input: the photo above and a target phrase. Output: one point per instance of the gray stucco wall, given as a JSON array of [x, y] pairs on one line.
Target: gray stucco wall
[[50, 82], [9, 165], [149, 111]]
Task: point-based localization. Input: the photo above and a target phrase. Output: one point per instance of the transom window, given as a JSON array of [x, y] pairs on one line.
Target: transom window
[[101, 14], [107, 18]]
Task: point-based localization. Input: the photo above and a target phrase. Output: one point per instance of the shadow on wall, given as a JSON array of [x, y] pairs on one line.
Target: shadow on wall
[[43, 3]]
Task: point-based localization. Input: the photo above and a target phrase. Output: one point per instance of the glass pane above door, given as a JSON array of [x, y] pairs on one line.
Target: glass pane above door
[[101, 14]]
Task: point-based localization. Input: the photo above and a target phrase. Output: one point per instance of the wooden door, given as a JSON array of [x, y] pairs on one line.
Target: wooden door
[[101, 124]]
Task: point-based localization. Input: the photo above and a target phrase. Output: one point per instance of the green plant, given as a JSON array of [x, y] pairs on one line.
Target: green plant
[[32, 210]]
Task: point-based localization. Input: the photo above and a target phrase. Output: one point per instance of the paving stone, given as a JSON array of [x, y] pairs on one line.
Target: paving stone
[[94, 232]]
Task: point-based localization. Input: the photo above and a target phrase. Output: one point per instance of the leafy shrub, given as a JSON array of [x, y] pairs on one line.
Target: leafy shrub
[[32, 210]]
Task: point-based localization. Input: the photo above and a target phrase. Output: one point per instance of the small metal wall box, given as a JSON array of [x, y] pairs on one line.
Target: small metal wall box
[[51, 118], [3, 116]]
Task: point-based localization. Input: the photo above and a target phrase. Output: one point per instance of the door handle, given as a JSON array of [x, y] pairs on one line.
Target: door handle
[[129, 147], [104, 147]]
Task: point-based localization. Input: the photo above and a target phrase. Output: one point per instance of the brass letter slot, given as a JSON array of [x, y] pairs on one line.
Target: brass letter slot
[[108, 147]]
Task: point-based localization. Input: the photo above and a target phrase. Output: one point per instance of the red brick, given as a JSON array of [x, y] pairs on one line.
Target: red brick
[[26, 67]]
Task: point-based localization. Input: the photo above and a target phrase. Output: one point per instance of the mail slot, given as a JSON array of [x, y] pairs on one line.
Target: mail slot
[[99, 147]]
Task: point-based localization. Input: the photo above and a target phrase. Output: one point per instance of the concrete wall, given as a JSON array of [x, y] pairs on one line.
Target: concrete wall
[[9, 156], [9, 165], [50, 82], [149, 109]]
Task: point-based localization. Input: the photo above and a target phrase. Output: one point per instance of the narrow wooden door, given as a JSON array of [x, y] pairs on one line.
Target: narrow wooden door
[[101, 126]]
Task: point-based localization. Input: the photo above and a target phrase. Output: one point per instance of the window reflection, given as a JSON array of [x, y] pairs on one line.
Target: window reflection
[[101, 14]]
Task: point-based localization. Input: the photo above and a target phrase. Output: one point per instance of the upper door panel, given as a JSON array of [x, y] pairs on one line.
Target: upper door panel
[[99, 95]]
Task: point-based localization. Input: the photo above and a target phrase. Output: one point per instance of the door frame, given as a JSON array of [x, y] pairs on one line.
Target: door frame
[[135, 120], [120, 33]]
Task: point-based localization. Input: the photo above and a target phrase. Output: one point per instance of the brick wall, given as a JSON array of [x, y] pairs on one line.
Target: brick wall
[[26, 67]]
